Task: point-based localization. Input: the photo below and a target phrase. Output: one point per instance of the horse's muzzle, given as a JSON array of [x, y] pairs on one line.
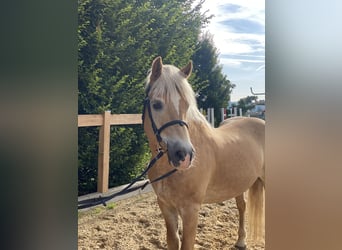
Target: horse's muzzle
[[180, 153]]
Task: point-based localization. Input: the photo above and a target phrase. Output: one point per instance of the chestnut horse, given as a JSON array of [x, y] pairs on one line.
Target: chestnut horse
[[214, 164]]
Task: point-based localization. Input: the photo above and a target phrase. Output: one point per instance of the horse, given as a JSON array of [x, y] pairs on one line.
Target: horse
[[213, 164]]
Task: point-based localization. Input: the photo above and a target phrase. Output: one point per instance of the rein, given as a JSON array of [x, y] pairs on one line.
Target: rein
[[128, 189]]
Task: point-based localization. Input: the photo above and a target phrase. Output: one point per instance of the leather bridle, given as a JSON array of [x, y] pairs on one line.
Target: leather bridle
[[157, 131], [130, 188]]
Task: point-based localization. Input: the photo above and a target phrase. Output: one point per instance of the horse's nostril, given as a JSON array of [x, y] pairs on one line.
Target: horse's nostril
[[179, 152], [181, 155]]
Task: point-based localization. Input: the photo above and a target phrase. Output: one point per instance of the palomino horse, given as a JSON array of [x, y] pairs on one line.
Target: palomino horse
[[214, 164]]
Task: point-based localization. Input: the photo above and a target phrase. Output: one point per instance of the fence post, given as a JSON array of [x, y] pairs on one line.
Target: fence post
[[222, 114], [212, 118], [208, 115], [103, 157]]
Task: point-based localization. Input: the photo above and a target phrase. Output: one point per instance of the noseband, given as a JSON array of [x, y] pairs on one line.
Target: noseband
[[157, 131]]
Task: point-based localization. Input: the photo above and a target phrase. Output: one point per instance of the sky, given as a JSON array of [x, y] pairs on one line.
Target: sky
[[238, 29]]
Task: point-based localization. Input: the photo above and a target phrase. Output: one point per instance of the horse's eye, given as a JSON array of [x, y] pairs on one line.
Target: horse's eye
[[157, 105]]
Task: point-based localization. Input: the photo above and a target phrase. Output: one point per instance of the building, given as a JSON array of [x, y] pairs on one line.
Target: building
[[258, 110]]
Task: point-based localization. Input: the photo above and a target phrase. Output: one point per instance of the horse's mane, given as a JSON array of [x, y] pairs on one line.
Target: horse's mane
[[172, 84]]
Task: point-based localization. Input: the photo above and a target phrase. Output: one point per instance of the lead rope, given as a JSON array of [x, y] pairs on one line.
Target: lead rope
[[102, 200]]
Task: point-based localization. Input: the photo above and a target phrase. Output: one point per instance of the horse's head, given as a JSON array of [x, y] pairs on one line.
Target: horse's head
[[165, 112]]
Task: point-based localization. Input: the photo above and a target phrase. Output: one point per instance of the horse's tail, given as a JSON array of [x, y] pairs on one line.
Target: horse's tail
[[256, 211]]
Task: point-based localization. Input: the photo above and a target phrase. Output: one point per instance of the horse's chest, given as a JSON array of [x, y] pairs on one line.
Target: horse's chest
[[176, 193]]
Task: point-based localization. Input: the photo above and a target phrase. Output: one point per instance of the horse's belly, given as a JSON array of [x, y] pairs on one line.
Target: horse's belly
[[225, 190], [213, 197]]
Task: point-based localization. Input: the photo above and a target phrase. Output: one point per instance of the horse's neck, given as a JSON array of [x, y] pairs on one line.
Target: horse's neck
[[200, 132], [203, 135]]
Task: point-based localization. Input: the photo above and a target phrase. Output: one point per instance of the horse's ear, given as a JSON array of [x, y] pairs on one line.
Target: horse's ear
[[157, 65], [187, 70]]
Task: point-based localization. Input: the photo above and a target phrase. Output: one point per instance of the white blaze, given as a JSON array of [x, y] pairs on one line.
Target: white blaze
[[175, 100]]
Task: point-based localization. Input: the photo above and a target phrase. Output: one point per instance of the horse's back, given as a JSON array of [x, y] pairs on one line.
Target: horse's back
[[248, 126], [242, 119]]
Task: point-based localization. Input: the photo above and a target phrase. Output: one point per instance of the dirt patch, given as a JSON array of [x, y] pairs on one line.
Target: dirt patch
[[137, 223]]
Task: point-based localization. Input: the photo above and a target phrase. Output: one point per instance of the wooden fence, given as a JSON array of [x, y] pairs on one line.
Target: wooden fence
[[105, 120]]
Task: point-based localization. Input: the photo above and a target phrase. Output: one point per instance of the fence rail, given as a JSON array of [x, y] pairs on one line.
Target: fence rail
[[105, 120]]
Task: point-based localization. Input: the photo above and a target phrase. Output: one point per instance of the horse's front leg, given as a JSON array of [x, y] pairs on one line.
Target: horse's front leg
[[170, 215], [189, 215]]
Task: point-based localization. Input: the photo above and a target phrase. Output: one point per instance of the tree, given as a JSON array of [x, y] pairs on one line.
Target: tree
[[117, 42], [211, 85], [247, 103]]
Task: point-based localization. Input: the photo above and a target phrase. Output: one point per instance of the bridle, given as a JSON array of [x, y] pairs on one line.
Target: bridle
[[130, 188], [157, 131]]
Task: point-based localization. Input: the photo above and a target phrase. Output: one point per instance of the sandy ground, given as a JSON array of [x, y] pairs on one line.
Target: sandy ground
[[137, 223]]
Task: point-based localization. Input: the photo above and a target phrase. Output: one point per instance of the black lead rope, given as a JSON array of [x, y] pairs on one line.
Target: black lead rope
[[128, 189], [102, 200]]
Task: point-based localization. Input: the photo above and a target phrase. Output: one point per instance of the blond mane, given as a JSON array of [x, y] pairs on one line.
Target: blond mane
[[172, 84]]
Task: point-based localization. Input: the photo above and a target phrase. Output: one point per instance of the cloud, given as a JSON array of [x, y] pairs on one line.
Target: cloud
[[230, 43], [237, 26], [238, 29], [237, 9], [260, 68], [238, 61]]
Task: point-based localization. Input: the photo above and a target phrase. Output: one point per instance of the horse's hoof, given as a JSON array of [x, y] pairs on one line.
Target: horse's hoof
[[240, 248]]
